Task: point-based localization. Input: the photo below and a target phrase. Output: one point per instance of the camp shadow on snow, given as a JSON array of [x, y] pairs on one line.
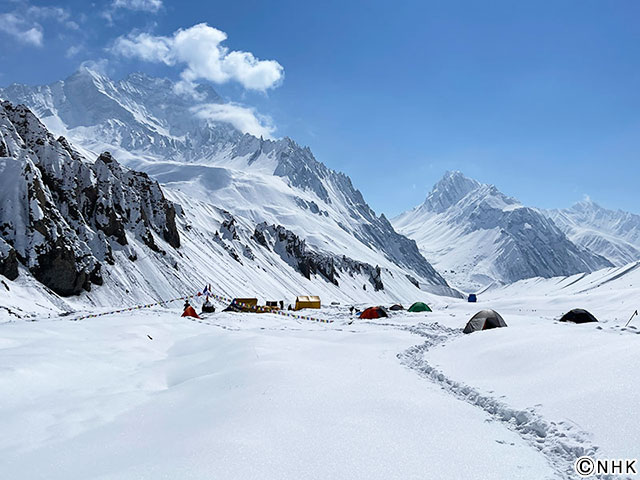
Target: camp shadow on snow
[[484, 320], [578, 315]]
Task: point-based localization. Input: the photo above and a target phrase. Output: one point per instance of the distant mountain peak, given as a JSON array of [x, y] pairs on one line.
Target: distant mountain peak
[[614, 234], [86, 76], [479, 235], [84, 70], [586, 203], [451, 188]]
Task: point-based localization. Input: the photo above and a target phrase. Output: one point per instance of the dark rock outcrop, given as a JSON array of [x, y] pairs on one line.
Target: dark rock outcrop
[[8, 261], [294, 251], [62, 216]]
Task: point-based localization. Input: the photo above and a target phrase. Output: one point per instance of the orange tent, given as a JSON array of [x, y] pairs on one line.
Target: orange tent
[[190, 312]]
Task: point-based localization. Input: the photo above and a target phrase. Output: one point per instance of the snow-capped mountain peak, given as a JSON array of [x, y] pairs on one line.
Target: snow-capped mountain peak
[[614, 234], [451, 188], [477, 235]]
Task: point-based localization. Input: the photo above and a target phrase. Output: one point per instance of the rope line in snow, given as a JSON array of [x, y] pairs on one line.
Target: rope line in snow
[[137, 307], [220, 298]]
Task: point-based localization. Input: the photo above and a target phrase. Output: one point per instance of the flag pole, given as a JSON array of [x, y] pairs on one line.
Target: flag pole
[[634, 314]]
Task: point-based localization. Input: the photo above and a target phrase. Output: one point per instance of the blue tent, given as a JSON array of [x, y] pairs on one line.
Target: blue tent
[[473, 298]]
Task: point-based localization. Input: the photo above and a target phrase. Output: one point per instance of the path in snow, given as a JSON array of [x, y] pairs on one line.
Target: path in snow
[[561, 443]]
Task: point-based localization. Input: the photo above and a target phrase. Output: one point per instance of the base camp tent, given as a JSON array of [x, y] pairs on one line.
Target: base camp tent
[[307, 301], [243, 305], [396, 307], [190, 312], [472, 298], [208, 308], [578, 315], [419, 307], [374, 312], [484, 320]]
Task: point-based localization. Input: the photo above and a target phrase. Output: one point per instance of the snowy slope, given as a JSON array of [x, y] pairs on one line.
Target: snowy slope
[[259, 396], [612, 287], [475, 235], [583, 377], [147, 126], [238, 397], [73, 224], [613, 234]]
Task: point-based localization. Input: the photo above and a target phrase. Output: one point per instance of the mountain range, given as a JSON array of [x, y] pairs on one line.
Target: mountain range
[[235, 196], [476, 236], [613, 234], [261, 215]]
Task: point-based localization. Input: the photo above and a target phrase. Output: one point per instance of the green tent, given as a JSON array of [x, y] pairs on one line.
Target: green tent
[[419, 307]]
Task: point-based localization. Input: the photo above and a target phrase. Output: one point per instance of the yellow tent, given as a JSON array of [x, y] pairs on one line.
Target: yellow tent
[[307, 301]]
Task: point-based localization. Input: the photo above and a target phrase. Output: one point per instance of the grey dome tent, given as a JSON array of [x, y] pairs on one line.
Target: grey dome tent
[[396, 307], [578, 315], [484, 320]]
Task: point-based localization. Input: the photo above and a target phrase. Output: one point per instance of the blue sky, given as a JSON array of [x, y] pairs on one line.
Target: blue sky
[[539, 98]]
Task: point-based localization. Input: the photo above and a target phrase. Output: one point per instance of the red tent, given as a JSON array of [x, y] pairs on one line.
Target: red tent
[[190, 312], [374, 312]]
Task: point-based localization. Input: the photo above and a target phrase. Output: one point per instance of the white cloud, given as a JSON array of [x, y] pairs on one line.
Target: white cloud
[[73, 50], [145, 47], [57, 14], [243, 118], [188, 89], [33, 36], [21, 29], [24, 23], [100, 66], [199, 49], [140, 5]]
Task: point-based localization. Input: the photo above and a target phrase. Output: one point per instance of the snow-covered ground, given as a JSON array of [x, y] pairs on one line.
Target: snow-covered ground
[[151, 395]]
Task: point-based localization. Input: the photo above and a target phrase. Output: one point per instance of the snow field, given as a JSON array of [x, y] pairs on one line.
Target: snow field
[[266, 397]]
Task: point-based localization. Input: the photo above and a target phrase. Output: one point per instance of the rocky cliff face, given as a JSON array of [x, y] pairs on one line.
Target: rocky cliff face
[[8, 261], [294, 251], [61, 216]]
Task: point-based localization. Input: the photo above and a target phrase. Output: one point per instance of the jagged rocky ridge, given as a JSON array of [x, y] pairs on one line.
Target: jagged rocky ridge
[[62, 216], [145, 116], [294, 251], [480, 235]]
